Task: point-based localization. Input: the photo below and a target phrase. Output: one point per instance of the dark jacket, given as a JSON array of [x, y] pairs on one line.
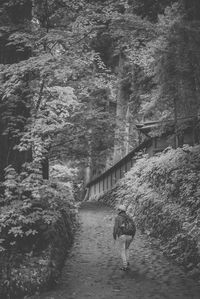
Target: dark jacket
[[117, 230]]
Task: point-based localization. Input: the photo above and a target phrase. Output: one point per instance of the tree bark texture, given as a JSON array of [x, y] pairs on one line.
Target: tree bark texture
[[121, 142]]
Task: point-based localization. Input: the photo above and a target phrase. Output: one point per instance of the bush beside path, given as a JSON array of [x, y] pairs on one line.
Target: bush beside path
[[92, 268], [36, 235], [162, 193]]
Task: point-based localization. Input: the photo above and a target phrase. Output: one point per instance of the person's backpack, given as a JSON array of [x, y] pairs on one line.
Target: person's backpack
[[128, 226]]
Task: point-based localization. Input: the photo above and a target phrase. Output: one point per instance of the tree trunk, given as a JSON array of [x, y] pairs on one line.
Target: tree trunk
[[122, 98]]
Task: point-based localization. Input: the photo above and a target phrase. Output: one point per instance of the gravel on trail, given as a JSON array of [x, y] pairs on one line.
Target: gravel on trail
[[92, 269]]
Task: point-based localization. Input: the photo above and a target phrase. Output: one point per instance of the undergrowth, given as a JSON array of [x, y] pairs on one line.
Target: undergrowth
[[163, 195], [37, 223]]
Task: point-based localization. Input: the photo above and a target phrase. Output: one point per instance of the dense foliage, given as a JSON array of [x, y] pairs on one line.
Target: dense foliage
[[162, 193], [93, 67], [37, 224], [76, 76]]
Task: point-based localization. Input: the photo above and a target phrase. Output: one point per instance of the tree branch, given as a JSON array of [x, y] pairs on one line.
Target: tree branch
[[40, 95]]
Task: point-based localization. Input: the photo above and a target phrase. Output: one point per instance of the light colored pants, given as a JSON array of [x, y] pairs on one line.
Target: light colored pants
[[124, 242]]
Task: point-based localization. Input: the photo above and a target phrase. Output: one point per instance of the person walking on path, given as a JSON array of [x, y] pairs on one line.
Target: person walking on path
[[124, 232]]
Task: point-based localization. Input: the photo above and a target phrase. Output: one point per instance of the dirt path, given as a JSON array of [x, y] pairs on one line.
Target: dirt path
[[92, 269]]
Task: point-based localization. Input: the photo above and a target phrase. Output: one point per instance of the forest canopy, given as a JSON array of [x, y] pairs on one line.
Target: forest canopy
[[75, 68]]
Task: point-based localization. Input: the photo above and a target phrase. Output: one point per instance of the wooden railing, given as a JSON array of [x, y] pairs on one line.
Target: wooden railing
[[108, 179]]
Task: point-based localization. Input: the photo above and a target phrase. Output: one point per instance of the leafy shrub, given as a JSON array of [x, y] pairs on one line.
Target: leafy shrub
[[37, 222], [163, 195]]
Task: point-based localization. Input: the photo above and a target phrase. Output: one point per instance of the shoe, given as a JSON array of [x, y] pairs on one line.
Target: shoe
[[124, 268]]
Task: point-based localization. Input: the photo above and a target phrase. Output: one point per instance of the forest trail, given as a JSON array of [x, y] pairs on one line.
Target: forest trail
[[92, 268]]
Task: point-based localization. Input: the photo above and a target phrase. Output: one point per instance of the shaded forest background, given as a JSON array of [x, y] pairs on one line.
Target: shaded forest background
[[76, 77]]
